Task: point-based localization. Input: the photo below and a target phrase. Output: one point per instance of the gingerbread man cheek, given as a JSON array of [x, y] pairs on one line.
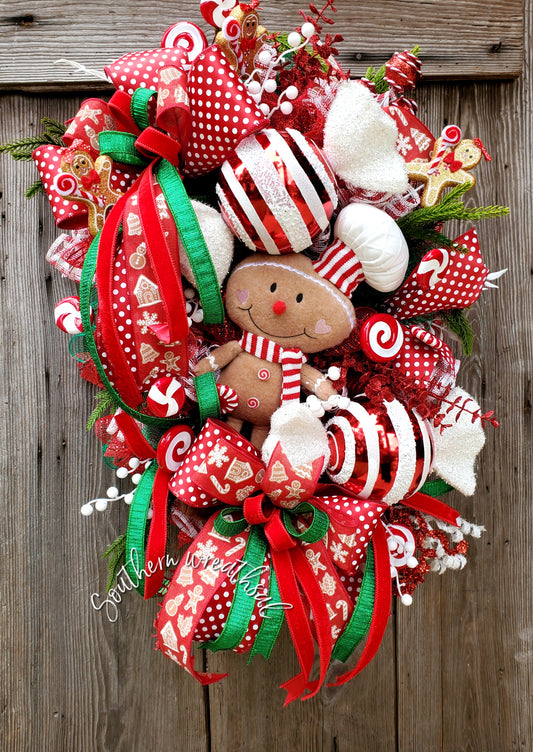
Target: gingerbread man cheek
[[242, 296], [321, 327]]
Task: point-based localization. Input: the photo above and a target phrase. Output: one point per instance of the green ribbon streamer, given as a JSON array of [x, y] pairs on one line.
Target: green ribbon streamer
[[229, 528], [244, 599], [87, 276], [272, 621], [361, 618], [135, 534], [436, 487], [207, 394], [193, 242]]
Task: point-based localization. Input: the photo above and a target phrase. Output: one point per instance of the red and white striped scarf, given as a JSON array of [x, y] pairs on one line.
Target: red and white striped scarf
[[291, 359]]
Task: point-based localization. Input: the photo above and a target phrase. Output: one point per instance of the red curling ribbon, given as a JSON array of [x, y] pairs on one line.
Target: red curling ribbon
[[133, 436], [157, 537], [123, 380], [382, 605], [435, 507], [166, 267]]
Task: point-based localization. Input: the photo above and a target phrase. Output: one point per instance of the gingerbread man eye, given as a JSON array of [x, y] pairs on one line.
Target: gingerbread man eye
[[273, 287], [299, 297]]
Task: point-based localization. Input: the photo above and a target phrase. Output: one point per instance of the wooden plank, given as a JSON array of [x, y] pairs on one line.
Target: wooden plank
[[465, 646], [72, 680], [457, 671], [459, 38]]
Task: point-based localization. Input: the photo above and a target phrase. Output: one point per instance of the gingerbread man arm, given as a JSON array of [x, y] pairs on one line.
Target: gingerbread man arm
[[218, 358], [314, 381]]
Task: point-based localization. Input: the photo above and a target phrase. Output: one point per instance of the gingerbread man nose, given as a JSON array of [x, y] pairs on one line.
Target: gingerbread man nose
[[279, 307]]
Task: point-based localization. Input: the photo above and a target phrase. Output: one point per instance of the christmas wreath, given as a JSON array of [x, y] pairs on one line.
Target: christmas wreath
[[247, 224]]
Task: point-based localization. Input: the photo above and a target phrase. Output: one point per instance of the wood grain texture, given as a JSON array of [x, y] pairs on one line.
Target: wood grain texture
[[460, 38], [455, 670]]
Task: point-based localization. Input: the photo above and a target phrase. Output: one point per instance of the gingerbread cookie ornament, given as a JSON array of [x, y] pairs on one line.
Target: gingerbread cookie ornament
[[242, 37], [447, 167]]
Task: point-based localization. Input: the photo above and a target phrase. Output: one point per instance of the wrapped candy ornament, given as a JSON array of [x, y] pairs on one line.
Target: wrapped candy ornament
[[266, 300]]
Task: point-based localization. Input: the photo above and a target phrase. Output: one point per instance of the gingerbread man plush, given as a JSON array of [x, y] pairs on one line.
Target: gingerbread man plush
[[286, 310]]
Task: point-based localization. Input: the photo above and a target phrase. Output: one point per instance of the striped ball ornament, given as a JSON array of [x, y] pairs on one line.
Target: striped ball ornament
[[379, 457], [277, 192]]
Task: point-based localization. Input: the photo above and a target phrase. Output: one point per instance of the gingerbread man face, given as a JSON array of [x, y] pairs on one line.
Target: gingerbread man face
[[250, 25], [286, 301], [468, 153]]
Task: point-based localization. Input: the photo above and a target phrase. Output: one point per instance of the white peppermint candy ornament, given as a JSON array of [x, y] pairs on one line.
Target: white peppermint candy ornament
[[166, 397]]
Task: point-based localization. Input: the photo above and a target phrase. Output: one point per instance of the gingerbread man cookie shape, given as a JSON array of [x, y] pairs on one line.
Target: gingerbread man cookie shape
[[91, 186], [242, 37], [285, 310], [452, 169]]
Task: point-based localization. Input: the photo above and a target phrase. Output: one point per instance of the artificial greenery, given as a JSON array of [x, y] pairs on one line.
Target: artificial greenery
[[457, 322], [22, 148], [420, 224], [105, 404], [116, 559]]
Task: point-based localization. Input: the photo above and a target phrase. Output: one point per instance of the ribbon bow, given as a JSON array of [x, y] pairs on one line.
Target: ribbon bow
[[282, 543]]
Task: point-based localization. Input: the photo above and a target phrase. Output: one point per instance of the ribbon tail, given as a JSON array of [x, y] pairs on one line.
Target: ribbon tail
[[124, 381], [164, 263], [133, 436], [157, 537], [382, 605], [315, 597], [298, 622], [434, 507]]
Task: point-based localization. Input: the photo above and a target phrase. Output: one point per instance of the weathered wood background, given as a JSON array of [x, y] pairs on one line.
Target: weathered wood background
[[454, 672]]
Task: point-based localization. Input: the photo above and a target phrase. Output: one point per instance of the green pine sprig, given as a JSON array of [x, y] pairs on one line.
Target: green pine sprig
[[116, 559], [34, 189], [458, 323], [105, 404], [420, 223], [22, 148]]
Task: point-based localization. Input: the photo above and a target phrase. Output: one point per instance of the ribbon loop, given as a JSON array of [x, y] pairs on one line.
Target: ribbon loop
[[153, 142]]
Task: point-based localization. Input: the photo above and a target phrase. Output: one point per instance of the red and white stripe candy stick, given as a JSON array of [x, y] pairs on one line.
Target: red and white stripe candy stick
[[450, 136], [232, 33], [432, 341], [68, 317]]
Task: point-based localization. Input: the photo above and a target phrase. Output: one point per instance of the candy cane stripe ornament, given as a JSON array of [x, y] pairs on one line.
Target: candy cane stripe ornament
[[166, 397], [277, 192], [383, 458], [68, 317]]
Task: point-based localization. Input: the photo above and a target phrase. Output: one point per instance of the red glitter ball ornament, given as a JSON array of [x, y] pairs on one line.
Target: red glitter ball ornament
[[403, 71]]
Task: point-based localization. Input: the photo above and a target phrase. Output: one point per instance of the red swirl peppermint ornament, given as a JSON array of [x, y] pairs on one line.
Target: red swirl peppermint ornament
[[381, 338], [173, 447], [187, 36], [216, 11], [68, 317], [381, 457], [277, 192], [166, 397]]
